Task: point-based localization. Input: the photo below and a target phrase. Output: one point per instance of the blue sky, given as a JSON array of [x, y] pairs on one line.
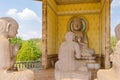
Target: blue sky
[[115, 15], [28, 14]]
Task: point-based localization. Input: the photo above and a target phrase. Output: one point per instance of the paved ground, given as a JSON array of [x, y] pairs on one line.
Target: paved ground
[[49, 74], [44, 74]]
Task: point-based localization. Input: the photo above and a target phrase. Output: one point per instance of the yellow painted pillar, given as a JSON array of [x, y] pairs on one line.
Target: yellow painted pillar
[[107, 34], [44, 34]]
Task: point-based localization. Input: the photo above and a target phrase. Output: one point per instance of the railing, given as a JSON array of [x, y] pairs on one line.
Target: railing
[[28, 65]]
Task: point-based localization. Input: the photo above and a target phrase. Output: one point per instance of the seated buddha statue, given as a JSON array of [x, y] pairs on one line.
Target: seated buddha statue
[[8, 53], [81, 37]]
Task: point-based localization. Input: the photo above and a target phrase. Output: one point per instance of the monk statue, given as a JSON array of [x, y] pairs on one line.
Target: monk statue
[[68, 67], [81, 37], [8, 53], [114, 72]]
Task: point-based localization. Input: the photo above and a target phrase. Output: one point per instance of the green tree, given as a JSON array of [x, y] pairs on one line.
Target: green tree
[[29, 51], [38, 42], [17, 40], [113, 42]]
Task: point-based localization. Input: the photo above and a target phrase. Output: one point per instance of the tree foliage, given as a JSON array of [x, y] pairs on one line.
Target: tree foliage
[[29, 50], [17, 40], [113, 42]]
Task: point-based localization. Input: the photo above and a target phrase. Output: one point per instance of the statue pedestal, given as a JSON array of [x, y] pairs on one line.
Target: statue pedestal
[[93, 68], [60, 75]]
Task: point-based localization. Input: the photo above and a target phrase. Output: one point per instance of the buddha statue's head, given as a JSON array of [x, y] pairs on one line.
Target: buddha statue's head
[[117, 32], [76, 24], [8, 27], [69, 36]]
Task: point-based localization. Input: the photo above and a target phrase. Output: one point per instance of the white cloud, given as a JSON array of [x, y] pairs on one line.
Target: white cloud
[[29, 23], [26, 14], [12, 12], [32, 33], [115, 3]]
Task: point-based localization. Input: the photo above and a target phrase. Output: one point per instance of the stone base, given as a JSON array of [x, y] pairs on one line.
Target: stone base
[[17, 75], [107, 75], [59, 75]]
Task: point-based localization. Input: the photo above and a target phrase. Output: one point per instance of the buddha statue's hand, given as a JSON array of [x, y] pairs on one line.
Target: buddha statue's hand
[[84, 54], [15, 49]]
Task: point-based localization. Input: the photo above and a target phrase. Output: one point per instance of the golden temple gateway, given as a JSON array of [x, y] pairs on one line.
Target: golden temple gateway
[[56, 16]]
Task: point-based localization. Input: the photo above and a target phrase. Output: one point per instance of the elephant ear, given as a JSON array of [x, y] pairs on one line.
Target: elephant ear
[[4, 25]]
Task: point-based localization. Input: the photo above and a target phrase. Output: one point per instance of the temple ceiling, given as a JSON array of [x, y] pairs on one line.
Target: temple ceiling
[[75, 1]]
